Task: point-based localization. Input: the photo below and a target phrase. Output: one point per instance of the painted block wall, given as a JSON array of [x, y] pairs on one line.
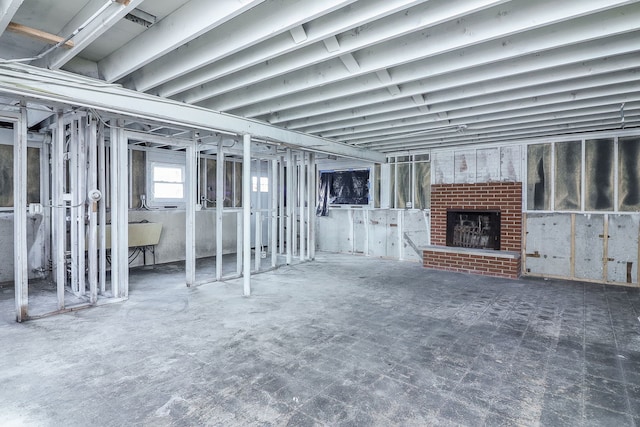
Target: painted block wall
[[35, 246], [170, 248], [172, 239]]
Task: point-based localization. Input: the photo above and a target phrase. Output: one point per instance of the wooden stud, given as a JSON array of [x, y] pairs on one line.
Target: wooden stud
[[39, 34]]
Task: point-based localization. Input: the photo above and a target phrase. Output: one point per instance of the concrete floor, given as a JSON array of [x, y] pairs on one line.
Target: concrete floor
[[343, 340]]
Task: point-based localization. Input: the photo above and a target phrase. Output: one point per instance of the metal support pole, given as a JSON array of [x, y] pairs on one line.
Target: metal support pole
[[258, 215], [281, 208], [102, 214], [92, 252], [246, 209], [190, 214], [239, 241], [290, 202], [302, 196], [75, 203], [273, 187], [293, 196], [119, 212], [219, 208], [81, 192], [45, 197], [20, 250], [312, 205], [58, 211]]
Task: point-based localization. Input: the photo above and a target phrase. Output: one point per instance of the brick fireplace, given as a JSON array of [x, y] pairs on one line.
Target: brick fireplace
[[470, 204]]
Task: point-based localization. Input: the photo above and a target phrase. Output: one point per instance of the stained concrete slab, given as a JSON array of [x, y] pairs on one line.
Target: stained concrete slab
[[345, 340]]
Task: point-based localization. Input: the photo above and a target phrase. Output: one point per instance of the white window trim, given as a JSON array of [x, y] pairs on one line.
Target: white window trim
[[155, 158]]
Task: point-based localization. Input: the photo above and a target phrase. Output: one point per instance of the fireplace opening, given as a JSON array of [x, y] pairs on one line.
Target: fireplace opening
[[473, 229]]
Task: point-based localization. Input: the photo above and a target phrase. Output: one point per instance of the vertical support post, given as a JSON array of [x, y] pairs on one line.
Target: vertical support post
[[239, 241], [92, 252], [273, 187], [290, 201], [45, 197], [119, 212], [75, 202], [303, 191], [190, 214], [58, 212], [219, 208], [21, 269], [246, 209], [81, 192], [102, 214], [293, 195], [313, 185], [258, 240], [281, 209]]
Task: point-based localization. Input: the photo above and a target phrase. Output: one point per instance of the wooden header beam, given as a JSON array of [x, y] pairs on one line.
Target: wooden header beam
[[38, 34]]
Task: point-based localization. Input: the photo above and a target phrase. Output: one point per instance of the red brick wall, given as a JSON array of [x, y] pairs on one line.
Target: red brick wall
[[503, 196]]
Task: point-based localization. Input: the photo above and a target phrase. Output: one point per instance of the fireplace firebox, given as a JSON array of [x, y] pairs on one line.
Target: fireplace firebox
[[473, 229]]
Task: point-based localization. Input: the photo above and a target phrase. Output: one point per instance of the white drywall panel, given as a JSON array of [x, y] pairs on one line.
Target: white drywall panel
[[589, 244], [416, 227], [622, 264], [548, 247], [378, 232], [333, 231]]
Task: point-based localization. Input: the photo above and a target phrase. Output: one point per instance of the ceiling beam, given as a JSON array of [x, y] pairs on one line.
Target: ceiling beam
[[564, 93], [96, 18], [556, 132], [527, 71], [275, 17], [525, 109], [381, 30], [574, 117], [193, 19], [31, 82], [8, 9], [267, 99], [323, 28], [601, 72]]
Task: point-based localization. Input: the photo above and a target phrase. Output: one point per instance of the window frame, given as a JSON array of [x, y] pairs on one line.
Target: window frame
[[171, 160]]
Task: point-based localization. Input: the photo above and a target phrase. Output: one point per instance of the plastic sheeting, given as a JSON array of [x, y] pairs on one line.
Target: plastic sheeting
[[629, 174], [422, 199], [342, 188], [599, 175], [538, 176], [568, 176]]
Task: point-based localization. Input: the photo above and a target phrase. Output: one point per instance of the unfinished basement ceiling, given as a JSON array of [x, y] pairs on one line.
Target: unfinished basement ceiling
[[386, 75]]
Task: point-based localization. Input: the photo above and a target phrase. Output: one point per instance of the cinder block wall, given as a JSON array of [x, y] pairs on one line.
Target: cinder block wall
[[503, 196]]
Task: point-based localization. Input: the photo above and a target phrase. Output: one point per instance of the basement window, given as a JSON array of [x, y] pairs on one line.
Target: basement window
[[166, 180], [264, 184]]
